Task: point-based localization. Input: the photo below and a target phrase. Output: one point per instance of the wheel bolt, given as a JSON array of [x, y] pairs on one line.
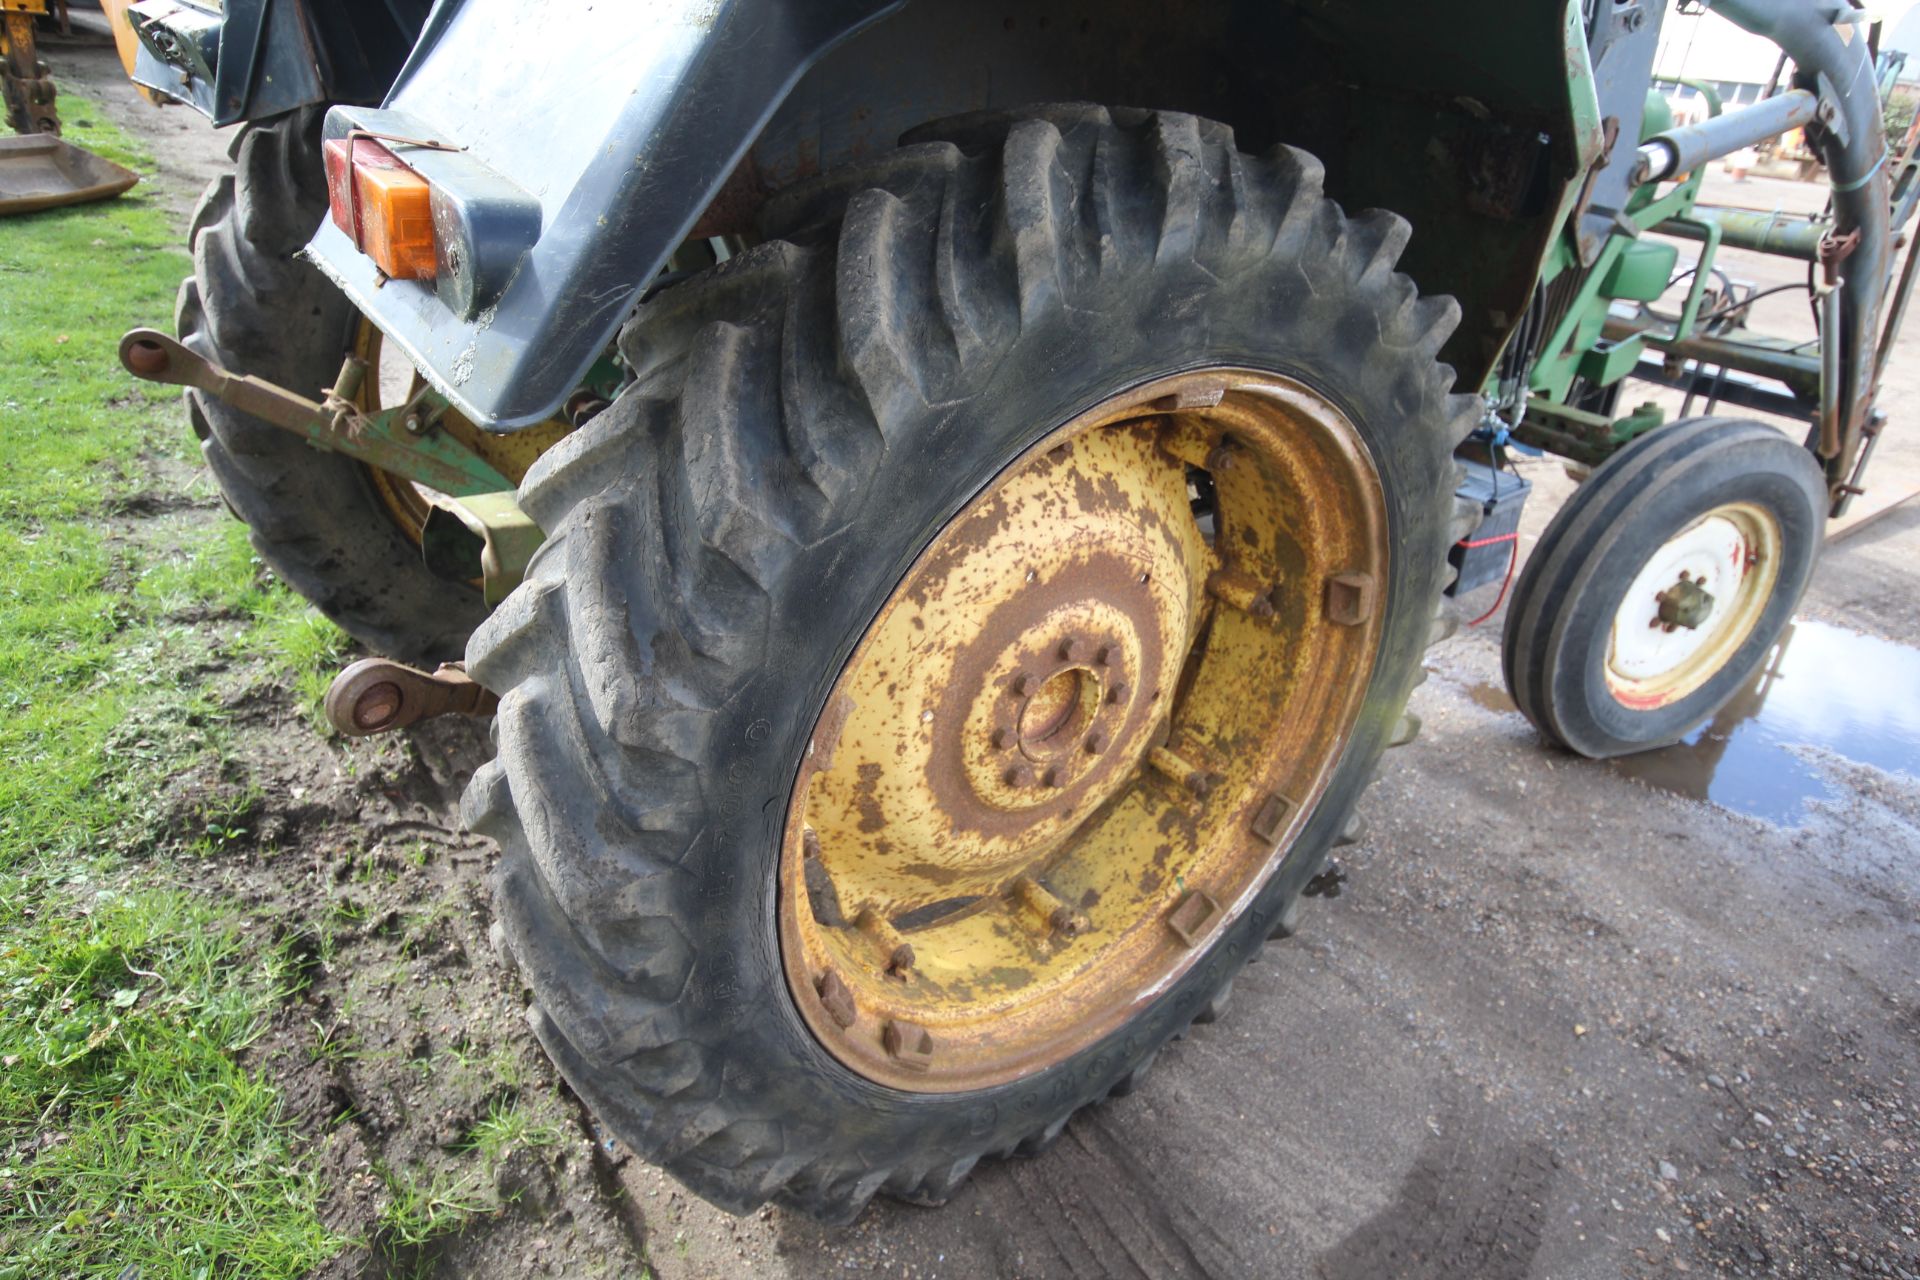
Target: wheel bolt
[[1073, 649], [1105, 655], [1116, 691], [1018, 775], [1025, 685], [1002, 739], [1051, 777], [1096, 743]]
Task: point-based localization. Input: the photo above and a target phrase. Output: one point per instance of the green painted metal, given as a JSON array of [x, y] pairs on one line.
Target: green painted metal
[[1641, 272], [406, 442], [1581, 435], [1776, 233]]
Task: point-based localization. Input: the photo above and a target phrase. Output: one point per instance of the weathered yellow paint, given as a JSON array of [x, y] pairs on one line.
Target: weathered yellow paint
[[510, 453], [1056, 732]]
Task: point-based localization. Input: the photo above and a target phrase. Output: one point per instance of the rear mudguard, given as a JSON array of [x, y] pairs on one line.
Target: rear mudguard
[[573, 152]]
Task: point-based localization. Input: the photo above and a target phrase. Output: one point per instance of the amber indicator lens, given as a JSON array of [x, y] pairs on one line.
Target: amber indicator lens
[[383, 205]]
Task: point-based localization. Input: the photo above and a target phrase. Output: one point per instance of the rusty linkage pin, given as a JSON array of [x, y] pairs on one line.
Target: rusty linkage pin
[[375, 695]]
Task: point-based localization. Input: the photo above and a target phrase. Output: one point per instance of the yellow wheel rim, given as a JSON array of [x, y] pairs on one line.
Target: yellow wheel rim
[[392, 383], [1082, 732]]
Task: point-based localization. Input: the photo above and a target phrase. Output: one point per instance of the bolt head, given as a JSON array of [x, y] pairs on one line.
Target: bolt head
[[1095, 743], [1073, 649], [836, 999], [1025, 685], [1051, 777], [1018, 775], [1116, 691], [1002, 739], [909, 1045], [1106, 655]]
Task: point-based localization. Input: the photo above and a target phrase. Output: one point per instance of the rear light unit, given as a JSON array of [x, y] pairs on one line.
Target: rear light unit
[[383, 206]]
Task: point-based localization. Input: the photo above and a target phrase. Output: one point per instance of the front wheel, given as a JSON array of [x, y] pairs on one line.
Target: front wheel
[[1656, 592], [959, 646]]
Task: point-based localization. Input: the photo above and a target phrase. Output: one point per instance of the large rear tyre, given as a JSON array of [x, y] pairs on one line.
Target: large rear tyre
[[319, 520], [1658, 589], [959, 646]]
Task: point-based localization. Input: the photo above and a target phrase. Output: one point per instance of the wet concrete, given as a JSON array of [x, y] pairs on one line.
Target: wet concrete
[[1826, 690]]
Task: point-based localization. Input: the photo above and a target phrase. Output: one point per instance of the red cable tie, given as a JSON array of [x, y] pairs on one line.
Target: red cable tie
[[1487, 542]]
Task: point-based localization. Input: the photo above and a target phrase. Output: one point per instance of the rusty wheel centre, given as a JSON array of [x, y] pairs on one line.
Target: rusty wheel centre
[[1082, 731]]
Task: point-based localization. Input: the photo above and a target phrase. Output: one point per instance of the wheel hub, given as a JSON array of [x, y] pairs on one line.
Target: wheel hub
[[1071, 744], [1684, 604]]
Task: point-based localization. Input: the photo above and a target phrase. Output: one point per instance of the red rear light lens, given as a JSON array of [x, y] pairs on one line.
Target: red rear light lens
[[383, 205]]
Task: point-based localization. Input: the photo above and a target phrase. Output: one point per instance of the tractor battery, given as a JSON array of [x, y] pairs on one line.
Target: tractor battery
[[1483, 555]]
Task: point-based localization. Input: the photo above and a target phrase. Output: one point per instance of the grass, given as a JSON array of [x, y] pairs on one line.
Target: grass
[[130, 1135]]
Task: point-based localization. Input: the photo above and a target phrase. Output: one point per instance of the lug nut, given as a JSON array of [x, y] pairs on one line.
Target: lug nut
[[1105, 655], [1025, 685], [1018, 775], [836, 999], [909, 1045], [1051, 777], [1073, 649], [1095, 743], [1116, 691], [1002, 739]]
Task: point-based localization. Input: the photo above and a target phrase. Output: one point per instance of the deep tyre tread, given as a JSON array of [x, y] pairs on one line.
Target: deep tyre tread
[[1554, 647], [253, 307], [804, 418]]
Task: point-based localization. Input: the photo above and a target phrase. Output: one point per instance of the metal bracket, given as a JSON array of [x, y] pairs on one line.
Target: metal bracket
[[376, 694], [402, 442], [488, 531]]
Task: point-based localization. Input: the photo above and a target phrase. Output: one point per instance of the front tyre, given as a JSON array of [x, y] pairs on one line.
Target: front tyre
[[959, 646], [1657, 590]]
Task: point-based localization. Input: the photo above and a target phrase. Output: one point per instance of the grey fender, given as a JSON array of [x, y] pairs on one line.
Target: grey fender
[[591, 140]]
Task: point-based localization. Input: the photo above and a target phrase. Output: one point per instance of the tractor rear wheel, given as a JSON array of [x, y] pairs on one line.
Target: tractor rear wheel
[[956, 650]]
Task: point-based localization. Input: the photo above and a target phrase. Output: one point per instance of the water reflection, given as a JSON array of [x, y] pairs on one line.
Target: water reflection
[[1824, 686]]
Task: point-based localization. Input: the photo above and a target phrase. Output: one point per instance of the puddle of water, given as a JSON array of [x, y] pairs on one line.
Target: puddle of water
[[1826, 687]]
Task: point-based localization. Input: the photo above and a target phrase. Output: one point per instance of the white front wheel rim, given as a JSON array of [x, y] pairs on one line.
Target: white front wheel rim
[[1732, 553]]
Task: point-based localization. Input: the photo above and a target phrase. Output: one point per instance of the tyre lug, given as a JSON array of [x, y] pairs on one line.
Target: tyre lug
[[836, 999], [908, 1044], [1043, 908]]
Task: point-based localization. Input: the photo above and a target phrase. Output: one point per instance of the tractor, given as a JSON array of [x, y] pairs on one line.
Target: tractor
[[944, 504]]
